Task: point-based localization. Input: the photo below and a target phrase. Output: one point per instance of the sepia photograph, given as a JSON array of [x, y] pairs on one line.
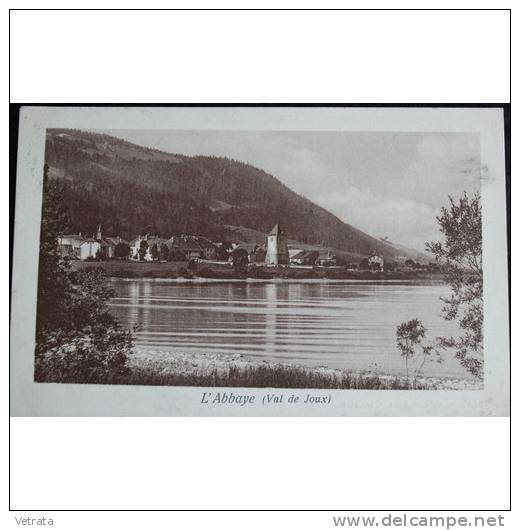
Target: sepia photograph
[[281, 259], [260, 270]]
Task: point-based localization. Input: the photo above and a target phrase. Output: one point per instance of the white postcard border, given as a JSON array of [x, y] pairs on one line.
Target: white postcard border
[[48, 399]]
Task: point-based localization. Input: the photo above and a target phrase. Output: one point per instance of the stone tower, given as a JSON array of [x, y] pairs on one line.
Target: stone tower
[[277, 253]]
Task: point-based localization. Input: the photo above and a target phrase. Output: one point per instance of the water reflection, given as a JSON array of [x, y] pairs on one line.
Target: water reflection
[[333, 324], [140, 313]]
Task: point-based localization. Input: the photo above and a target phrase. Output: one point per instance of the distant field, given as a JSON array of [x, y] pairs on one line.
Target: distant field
[[135, 269]]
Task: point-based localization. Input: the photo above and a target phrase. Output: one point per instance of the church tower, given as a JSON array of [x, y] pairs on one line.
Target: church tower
[[99, 235], [277, 252]]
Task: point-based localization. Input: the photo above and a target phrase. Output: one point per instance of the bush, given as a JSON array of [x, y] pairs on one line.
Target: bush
[[84, 360], [77, 338], [459, 257], [85, 343]]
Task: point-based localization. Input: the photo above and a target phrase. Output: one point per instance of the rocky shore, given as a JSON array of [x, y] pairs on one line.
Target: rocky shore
[[207, 367]]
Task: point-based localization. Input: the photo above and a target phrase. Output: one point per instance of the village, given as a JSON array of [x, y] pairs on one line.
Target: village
[[199, 251]]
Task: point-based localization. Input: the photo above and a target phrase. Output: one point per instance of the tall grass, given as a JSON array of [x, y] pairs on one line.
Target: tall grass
[[269, 376], [252, 377]]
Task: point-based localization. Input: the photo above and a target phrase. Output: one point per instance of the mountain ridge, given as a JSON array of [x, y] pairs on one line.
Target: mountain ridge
[[129, 188]]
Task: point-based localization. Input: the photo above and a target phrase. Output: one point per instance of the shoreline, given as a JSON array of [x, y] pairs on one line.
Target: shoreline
[[221, 368], [179, 271], [201, 279]]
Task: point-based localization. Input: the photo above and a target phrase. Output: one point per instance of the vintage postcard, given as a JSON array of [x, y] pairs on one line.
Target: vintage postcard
[[260, 261]]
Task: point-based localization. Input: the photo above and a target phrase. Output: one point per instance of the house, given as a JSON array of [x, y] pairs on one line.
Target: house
[[305, 257], [90, 249], [257, 254], [188, 246], [239, 257], [240, 249], [78, 247], [277, 252], [209, 248], [115, 241], [326, 259], [152, 245], [122, 252], [75, 246], [157, 244], [135, 245], [376, 262], [70, 245], [107, 245], [108, 249], [180, 248]]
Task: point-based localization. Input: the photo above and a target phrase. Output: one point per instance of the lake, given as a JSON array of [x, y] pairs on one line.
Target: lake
[[338, 324]]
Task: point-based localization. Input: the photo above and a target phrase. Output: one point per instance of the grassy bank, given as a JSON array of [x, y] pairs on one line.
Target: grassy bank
[[247, 377], [178, 269], [163, 368], [266, 377], [135, 269]]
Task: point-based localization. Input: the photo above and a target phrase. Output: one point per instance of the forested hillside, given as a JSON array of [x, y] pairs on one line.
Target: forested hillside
[[130, 190]]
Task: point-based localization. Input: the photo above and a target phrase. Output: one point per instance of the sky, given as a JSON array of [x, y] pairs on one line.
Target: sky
[[386, 184]]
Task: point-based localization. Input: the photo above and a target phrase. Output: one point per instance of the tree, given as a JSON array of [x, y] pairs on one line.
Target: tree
[[154, 252], [409, 336], [460, 258], [164, 252], [122, 250], [390, 266], [240, 259], [223, 251], [143, 247], [363, 264], [77, 338], [54, 287]]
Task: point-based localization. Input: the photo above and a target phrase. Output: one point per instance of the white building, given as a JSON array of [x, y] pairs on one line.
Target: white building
[[75, 246], [70, 245], [375, 261], [90, 248], [277, 252]]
